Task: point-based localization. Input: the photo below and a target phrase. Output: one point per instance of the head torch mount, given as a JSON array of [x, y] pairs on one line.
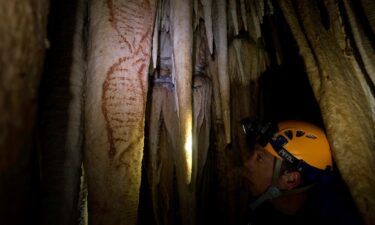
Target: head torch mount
[[256, 130]]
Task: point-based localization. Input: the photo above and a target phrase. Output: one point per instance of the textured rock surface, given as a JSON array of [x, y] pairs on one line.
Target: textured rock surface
[[22, 46]]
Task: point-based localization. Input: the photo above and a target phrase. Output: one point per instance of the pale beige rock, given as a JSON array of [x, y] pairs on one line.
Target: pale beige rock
[[119, 54]]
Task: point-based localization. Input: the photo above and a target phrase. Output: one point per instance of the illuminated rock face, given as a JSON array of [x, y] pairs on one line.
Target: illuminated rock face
[[116, 88]]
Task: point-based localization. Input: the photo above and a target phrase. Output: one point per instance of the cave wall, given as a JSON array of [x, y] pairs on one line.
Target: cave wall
[[245, 57], [22, 45]]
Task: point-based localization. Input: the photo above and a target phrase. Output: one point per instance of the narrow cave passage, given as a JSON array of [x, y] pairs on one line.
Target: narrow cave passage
[[285, 90], [284, 93]]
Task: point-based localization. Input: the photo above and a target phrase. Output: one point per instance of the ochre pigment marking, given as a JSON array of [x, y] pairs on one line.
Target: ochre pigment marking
[[113, 19], [129, 20], [123, 102], [124, 88]]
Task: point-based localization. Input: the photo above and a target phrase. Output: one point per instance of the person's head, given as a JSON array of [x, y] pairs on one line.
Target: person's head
[[289, 156]]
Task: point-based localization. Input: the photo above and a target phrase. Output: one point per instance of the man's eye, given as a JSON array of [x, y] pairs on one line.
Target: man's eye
[[259, 157]]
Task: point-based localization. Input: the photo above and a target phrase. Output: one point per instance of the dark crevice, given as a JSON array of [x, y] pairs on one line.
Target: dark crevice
[[324, 18], [359, 14], [286, 92]]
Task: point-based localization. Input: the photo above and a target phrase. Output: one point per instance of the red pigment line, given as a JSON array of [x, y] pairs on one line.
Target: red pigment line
[[113, 20], [106, 88], [114, 100]]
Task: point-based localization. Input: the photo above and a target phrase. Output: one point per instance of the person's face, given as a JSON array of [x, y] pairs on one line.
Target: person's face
[[259, 170]]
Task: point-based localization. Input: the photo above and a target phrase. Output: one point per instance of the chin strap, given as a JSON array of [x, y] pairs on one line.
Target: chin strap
[[273, 191]]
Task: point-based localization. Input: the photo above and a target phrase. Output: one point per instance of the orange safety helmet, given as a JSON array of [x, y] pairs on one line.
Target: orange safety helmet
[[305, 142], [302, 144]]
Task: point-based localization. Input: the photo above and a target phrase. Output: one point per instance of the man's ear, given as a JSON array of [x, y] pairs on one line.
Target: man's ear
[[289, 180]]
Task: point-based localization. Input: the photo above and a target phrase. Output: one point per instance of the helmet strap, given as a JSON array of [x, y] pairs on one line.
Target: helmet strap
[[273, 191], [276, 171]]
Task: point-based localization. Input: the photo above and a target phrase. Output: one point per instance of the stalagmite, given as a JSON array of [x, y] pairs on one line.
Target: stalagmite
[[207, 7], [221, 41], [233, 13]]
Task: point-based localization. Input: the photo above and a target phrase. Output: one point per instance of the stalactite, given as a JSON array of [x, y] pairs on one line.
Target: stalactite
[[202, 94], [165, 17], [221, 41], [247, 61], [255, 20], [233, 13], [243, 14], [207, 7], [155, 37], [182, 39], [362, 42], [368, 7], [261, 12], [242, 77], [181, 19], [270, 6], [212, 72], [337, 26]]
